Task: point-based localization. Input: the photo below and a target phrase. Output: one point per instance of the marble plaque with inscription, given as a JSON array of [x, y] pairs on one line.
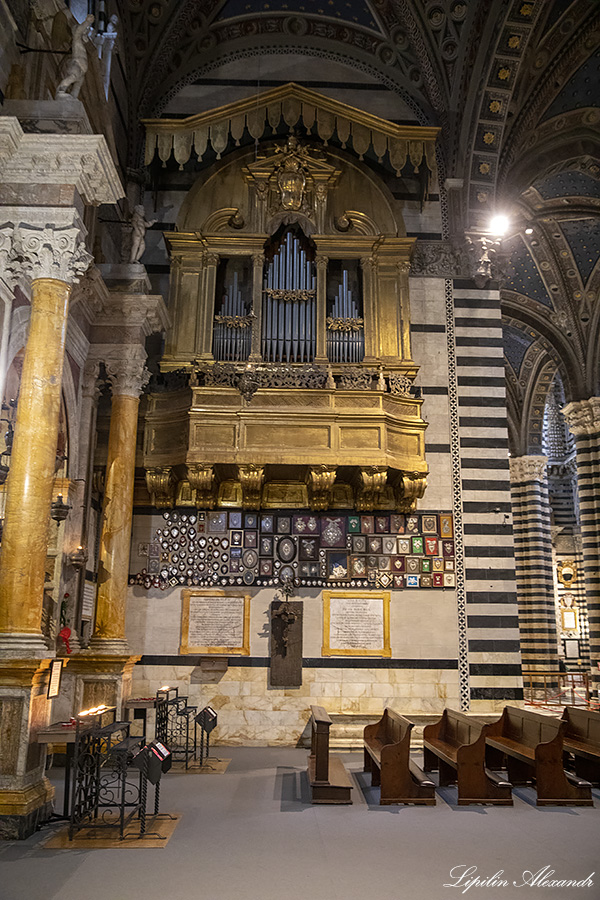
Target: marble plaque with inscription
[[215, 622], [356, 623]]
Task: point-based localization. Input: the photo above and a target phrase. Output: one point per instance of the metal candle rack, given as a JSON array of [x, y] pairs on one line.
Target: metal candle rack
[[176, 726]]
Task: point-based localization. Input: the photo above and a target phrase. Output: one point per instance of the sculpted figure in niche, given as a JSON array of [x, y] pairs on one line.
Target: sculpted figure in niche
[[77, 64], [139, 224], [291, 178]]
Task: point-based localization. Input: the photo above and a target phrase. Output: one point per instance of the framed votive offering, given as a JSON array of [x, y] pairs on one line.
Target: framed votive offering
[[397, 523], [382, 524], [412, 524], [438, 579], [235, 565], [372, 576], [449, 579], [217, 522], [426, 581], [284, 524], [413, 565], [404, 545], [383, 563], [438, 564], [265, 545], [448, 548], [412, 581], [353, 524], [426, 565], [356, 623], [374, 545], [337, 565], [265, 567], [398, 564], [359, 543], [429, 524], [367, 524], [251, 539], [398, 581], [389, 543], [358, 567], [235, 520], [448, 565], [431, 546], [417, 544], [446, 525], [235, 552], [236, 538], [266, 524], [308, 548], [385, 579], [333, 531], [251, 520]]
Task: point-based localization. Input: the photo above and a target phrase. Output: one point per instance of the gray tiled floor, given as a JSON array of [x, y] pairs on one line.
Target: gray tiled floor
[[251, 833]]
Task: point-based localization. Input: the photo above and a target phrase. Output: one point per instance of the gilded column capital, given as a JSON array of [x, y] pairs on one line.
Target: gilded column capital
[[403, 266], [45, 251], [258, 259], [211, 259], [321, 262], [127, 376], [528, 468], [368, 263], [583, 416]]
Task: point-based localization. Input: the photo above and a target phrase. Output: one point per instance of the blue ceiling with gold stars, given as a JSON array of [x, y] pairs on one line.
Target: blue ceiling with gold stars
[[516, 345], [524, 275], [581, 90], [583, 236], [352, 11], [568, 184]]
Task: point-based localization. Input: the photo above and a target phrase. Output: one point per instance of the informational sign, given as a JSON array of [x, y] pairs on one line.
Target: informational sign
[[56, 666], [215, 622], [89, 597], [356, 623]]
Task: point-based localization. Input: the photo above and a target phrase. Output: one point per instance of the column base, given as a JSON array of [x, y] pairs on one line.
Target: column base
[[24, 646], [22, 811], [108, 647], [94, 677]]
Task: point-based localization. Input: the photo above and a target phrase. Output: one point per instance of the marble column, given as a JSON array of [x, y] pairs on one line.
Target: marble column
[[127, 377], [533, 557], [583, 419], [53, 257]]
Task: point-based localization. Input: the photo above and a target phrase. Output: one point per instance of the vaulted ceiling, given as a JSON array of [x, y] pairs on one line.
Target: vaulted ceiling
[[513, 84]]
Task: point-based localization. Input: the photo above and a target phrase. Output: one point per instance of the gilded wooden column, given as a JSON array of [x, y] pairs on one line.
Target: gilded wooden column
[[53, 257], [128, 376], [258, 262], [321, 347], [371, 326], [206, 311], [403, 268]]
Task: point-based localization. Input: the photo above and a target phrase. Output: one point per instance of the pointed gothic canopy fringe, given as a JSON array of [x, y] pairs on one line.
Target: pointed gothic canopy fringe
[[321, 115]]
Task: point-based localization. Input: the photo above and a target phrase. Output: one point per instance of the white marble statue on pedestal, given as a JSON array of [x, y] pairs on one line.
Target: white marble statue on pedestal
[[77, 64], [139, 224]]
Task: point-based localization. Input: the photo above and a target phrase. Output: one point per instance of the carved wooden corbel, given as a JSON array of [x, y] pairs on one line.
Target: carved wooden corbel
[[320, 480], [251, 478], [410, 487], [372, 481], [161, 482], [202, 480]]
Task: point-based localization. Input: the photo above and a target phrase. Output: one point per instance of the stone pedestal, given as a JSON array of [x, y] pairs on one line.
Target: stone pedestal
[[25, 794]]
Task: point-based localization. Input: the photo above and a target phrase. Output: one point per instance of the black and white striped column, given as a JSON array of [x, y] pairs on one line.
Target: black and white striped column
[[533, 554], [583, 419]]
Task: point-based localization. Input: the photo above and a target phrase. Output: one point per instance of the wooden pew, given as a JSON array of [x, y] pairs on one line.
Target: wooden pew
[[533, 747], [457, 744], [329, 780], [387, 758], [582, 739]]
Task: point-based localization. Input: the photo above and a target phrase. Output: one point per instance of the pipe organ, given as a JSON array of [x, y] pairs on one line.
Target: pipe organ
[[289, 315]]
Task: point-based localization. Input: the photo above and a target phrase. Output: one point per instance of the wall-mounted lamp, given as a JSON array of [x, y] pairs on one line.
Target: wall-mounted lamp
[[59, 510], [78, 558]]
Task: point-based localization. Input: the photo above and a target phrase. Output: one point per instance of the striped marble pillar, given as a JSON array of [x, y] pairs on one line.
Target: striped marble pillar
[[533, 553], [583, 419]]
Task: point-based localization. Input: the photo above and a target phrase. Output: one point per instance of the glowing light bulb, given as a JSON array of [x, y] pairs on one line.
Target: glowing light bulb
[[529, 231], [499, 225]]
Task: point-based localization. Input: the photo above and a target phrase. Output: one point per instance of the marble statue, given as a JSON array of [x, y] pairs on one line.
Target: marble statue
[[104, 43], [139, 224], [77, 64]]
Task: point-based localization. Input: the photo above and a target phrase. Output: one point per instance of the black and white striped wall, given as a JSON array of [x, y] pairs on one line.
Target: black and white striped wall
[[583, 418], [482, 492], [533, 552]]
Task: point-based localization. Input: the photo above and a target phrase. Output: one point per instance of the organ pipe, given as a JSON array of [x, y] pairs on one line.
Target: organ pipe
[[289, 305]]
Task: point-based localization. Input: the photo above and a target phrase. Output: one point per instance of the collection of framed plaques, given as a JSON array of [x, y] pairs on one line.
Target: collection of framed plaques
[[232, 548]]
